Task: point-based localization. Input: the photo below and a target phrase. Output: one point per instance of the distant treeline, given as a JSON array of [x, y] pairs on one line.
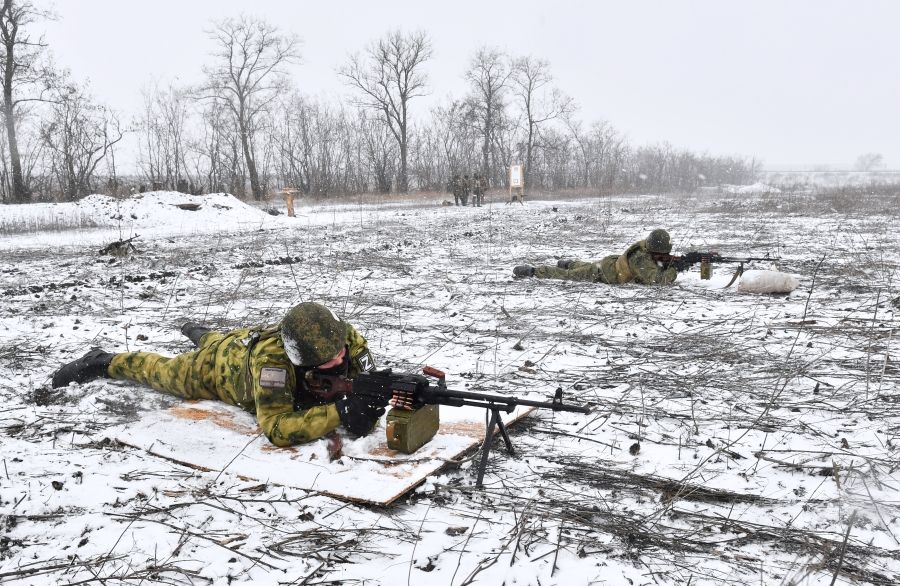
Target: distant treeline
[[245, 129]]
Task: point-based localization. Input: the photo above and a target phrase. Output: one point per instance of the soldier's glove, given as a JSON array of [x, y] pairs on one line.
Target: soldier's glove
[[564, 264], [523, 271], [685, 262], [359, 412]]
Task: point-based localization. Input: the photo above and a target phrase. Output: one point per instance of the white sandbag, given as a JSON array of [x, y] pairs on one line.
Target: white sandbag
[[767, 282]]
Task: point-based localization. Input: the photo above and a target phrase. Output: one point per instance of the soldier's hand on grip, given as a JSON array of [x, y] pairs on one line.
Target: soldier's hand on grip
[[681, 264], [359, 413]]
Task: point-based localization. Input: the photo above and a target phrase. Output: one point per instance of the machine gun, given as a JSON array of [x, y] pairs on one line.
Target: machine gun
[[710, 257], [414, 418]]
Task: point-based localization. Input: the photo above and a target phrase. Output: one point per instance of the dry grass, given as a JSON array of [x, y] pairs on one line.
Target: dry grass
[[49, 222]]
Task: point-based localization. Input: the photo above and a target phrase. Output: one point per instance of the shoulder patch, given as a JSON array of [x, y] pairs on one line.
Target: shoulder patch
[[365, 362], [272, 378]]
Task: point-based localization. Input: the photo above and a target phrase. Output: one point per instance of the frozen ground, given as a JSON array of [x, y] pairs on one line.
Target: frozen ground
[[735, 439]]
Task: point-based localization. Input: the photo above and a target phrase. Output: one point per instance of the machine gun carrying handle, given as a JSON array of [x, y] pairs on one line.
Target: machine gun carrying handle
[[432, 371]]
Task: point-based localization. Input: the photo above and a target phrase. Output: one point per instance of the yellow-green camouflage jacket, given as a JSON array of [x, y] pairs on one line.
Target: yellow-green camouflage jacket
[[249, 368], [273, 385]]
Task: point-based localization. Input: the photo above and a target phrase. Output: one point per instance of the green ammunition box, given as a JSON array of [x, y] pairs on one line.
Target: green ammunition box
[[705, 269], [407, 431]]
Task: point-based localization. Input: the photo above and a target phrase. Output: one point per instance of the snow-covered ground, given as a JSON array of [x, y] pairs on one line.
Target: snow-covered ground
[[830, 179], [753, 189], [734, 438]]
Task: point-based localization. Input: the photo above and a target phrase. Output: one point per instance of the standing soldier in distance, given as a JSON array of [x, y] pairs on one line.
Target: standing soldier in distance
[[478, 189], [456, 188], [466, 187]]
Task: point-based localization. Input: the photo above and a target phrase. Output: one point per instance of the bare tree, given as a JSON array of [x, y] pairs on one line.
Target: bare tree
[[426, 163], [21, 68], [389, 76], [488, 75], [247, 75], [459, 135], [219, 151], [868, 161], [379, 152], [162, 149], [80, 134], [540, 104], [553, 161], [599, 153], [309, 147]]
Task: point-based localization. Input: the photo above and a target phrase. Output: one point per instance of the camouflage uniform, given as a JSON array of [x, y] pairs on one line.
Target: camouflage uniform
[[636, 265], [465, 188], [253, 373], [456, 188], [478, 189]]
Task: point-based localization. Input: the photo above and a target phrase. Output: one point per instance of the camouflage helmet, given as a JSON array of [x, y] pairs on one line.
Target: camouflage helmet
[[312, 334], [658, 242]]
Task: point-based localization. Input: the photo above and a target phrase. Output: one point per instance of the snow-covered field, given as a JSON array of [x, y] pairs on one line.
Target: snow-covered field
[[830, 179], [734, 438]]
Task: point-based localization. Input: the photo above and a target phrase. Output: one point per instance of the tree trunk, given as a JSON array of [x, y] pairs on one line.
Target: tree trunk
[[255, 188], [251, 166], [403, 186], [20, 191], [71, 185], [526, 177], [486, 147], [403, 180]]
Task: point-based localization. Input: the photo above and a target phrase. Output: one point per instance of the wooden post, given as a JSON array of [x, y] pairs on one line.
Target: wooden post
[[288, 194]]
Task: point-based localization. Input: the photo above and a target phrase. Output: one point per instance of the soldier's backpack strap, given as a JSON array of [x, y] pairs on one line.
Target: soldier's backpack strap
[[246, 378]]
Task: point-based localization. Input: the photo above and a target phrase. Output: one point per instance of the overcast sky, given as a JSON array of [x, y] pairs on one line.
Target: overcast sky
[[792, 82]]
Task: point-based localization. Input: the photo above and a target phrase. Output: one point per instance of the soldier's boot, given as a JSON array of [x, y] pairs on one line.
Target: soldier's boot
[[92, 365], [523, 271], [564, 263], [194, 332]]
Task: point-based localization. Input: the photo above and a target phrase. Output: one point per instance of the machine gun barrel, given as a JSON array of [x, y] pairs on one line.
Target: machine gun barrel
[[717, 258], [443, 396]]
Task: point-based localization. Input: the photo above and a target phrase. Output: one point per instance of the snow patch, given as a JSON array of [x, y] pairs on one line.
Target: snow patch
[[767, 282], [98, 218], [750, 189]]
